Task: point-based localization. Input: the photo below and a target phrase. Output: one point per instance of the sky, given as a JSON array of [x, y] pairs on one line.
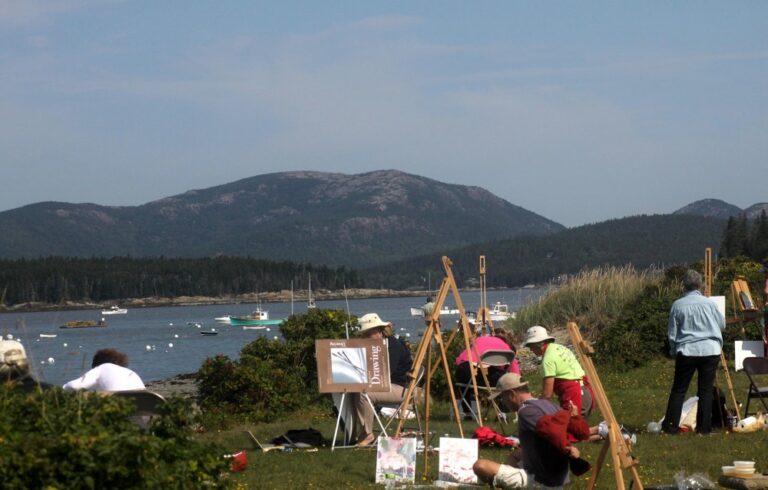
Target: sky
[[577, 111]]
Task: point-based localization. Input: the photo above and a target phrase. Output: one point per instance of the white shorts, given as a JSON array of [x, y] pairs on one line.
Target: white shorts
[[511, 477]]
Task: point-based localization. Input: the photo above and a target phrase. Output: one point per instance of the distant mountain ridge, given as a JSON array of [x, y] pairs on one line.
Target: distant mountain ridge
[[715, 208], [641, 241], [323, 218]]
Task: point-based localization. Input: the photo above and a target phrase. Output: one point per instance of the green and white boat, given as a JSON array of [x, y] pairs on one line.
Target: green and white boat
[[258, 317]]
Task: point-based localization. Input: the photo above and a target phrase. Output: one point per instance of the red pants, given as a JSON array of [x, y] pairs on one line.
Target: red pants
[[569, 391]]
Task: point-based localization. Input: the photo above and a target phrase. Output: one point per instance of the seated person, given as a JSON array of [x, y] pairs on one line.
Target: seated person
[[109, 373], [546, 455], [400, 364], [15, 369], [499, 341]]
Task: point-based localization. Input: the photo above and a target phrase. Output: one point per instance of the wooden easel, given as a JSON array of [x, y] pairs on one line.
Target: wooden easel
[[484, 318], [723, 362], [432, 333], [619, 448]]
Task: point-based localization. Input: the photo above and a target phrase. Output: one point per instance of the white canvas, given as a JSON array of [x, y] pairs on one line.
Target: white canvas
[[746, 348], [456, 459], [720, 302], [396, 460]]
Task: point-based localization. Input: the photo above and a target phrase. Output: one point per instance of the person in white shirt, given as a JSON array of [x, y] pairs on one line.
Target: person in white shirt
[[109, 373]]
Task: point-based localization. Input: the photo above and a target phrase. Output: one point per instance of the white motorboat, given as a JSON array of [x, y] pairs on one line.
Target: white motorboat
[[115, 310], [501, 313], [443, 311], [223, 319]]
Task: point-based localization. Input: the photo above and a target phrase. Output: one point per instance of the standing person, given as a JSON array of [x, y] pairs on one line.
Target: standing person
[[372, 327], [109, 373], [428, 307], [695, 340], [544, 465], [15, 369], [562, 374], [764, 270]]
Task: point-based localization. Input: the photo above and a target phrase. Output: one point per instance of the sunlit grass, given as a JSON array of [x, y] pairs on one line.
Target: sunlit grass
[[637, 397]]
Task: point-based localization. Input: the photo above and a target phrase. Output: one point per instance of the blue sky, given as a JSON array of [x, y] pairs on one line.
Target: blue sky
[[578, 111]]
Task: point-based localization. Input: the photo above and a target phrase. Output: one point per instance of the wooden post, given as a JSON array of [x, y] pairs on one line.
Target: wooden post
[[619, 448]]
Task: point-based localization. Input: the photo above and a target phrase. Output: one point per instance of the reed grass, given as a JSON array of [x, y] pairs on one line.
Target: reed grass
[[592, 298]]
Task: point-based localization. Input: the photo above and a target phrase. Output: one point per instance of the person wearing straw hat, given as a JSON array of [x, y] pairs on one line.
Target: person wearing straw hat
[[540, 464], [562, 374], [400, 363], [15, 368]]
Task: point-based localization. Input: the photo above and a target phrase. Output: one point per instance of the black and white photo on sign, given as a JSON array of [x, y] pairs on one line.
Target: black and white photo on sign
[[349, 365]]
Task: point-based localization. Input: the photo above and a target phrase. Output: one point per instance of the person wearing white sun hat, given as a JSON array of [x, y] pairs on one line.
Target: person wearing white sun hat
[[562, 374], [400, 363]]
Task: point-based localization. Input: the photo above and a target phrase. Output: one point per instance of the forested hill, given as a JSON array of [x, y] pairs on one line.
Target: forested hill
[[321, 218], [638, 240]]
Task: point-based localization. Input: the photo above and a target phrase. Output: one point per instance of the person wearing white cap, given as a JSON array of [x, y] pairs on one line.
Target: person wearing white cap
[[373, 327], [562, 374], [15, 368], [543, 465]]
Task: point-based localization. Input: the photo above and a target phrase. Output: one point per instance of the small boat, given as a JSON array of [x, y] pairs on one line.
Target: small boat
[[254, 327], [501, 313], [257, 317], [115, 310], [84, 324], [443, 311], [48, 335], [208, 332]]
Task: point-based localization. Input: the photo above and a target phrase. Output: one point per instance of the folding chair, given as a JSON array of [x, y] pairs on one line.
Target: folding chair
[[397, 407], [148, 405], [490, 358], [753, 367]]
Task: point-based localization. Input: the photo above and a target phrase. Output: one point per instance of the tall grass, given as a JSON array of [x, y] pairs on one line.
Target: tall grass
[[592, 298]]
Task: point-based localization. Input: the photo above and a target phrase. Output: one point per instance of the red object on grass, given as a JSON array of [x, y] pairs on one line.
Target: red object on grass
[[239, 461]]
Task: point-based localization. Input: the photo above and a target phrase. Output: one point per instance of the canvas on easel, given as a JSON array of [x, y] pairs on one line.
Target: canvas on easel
[[352, 365], [396, 460]]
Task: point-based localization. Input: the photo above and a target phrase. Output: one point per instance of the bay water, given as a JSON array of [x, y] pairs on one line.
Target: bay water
[[166, 341]]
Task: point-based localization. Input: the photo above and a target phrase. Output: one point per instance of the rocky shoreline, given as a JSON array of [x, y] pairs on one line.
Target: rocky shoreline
[[283, 296]]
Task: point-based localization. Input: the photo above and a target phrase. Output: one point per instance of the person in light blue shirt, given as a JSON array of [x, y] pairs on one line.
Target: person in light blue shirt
[[695, 341]]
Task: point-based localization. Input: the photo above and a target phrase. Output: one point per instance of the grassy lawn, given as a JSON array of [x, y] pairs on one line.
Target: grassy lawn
[[637, 397]]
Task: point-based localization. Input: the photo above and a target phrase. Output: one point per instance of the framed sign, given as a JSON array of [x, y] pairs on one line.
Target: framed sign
[[352, 365]]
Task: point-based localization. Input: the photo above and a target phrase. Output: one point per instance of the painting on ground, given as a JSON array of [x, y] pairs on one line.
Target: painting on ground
[[456, 459], [396, 460]]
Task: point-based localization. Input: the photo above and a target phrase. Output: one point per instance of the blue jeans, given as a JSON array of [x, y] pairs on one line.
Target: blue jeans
[[685, 366]]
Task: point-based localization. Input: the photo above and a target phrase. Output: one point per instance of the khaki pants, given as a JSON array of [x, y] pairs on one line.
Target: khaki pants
[[364, 411]]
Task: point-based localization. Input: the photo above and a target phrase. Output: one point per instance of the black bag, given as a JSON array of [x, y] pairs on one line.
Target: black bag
[[719, 412], [308, 436]]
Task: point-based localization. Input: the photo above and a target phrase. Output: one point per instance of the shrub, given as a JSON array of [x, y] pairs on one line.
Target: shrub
[[56, 439], [272, 377]]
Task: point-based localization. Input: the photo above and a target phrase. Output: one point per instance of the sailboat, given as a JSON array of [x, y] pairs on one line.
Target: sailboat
[[310, 300]]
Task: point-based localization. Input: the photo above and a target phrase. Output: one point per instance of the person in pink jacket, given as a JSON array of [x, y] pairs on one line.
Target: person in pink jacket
[[462, 373]]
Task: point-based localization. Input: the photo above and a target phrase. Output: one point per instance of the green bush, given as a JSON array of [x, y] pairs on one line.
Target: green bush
[[272, 377], [54, 439]]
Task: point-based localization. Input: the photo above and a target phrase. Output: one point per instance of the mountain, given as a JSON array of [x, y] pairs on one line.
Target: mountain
[[323, 218], [754, 210], [642, 241], [713, 208]]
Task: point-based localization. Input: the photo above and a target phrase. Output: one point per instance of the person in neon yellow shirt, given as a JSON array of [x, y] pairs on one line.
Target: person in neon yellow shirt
[[562, 373]]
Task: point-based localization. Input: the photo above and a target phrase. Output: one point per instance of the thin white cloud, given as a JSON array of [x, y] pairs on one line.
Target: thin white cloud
[[28, 11]]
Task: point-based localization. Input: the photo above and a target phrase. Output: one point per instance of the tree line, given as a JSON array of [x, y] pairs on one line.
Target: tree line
[[745, 237], [58, 279]]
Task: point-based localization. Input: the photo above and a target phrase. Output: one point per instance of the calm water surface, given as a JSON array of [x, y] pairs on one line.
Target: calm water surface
[[160, 344]]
